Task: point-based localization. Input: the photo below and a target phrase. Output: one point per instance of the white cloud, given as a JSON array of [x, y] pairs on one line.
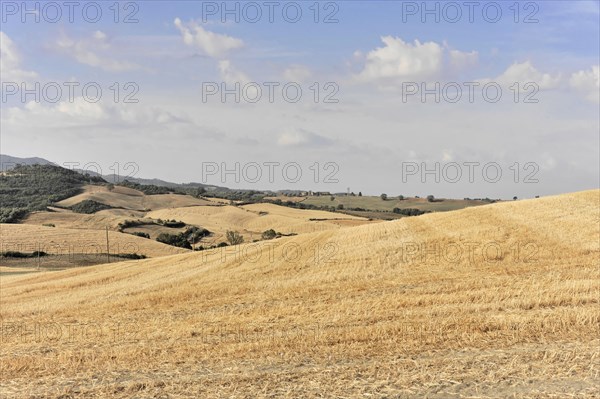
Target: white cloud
[[10, 61], [297, 73], [93, 51], [212, 44], [294, 137], [587, 82], [525, 73], [460, 60], [231, 74], [81, 113], [399, 59]]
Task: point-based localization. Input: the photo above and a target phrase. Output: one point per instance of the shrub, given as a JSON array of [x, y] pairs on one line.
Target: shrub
[[234, 237], [175, 224], [130, 223], [130, 256], [384, 197], [48, 225], [22, 255], [141, 234], [430, 198], [269, 234]]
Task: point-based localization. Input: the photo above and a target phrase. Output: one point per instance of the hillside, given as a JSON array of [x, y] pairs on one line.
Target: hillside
[[63, 241], [28, 188], [252, 220], [127, 198], [492, 301]]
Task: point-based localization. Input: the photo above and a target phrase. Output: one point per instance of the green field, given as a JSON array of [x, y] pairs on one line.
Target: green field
[[377, 204]]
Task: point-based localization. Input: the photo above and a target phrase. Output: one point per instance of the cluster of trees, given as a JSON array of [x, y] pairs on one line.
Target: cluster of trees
[[300, 205], [247, 196], [175, 224], [409, 211], [17, 254], [130, 256], [148, 189], [29, 188], [185, 239], [130, 223], [89, 207]]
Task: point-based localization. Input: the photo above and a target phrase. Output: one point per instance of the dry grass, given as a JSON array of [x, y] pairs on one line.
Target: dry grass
[[70, 220], [384, 310], [252, 220], [61, 241], [127, 198]]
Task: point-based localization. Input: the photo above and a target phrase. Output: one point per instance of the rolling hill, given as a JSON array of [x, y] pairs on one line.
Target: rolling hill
[[63, 241], [491, 301], [252, 220], [127, 198]]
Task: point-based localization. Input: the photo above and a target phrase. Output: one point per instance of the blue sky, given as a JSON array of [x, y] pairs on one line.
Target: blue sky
[[371, 54]]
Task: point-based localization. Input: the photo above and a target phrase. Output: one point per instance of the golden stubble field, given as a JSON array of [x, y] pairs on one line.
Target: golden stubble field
[[252, 220], [488, 302], [127, 198]]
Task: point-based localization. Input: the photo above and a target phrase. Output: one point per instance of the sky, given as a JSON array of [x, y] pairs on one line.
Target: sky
[[453, 99]]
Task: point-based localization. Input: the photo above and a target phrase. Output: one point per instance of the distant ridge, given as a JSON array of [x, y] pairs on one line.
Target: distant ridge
[[8, 162]]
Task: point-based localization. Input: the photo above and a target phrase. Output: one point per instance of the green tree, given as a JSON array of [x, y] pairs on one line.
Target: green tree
[[384, 197]]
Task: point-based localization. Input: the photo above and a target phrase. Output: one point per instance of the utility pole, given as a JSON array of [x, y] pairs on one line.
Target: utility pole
[[107, 247]]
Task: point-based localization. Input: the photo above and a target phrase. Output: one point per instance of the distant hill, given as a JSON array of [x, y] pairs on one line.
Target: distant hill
[[28, 188], [8, 162]]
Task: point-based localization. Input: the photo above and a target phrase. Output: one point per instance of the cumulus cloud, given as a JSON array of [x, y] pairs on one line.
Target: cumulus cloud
[[293, 137], [230, 74], [399, 61], [587, 82], [460, 60], [524, 73], [93, 51], [214, 45], [10, 61], [297, 73]]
